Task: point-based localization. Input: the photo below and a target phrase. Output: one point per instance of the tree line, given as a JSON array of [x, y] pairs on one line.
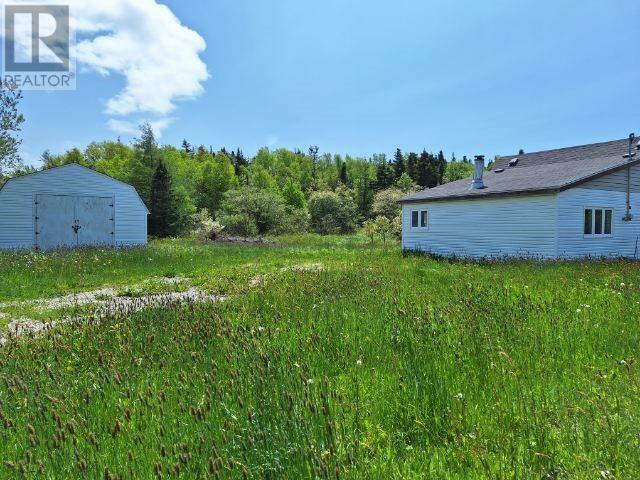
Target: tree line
[[276, 191]]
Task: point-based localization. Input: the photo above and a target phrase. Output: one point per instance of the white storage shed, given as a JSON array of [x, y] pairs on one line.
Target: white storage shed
[[68, 207]]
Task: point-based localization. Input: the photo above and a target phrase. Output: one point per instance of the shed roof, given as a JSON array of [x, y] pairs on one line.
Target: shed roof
[[538, 172]]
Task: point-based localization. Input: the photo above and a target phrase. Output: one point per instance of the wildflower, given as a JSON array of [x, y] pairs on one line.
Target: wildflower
[[310, 381], [359, 363], [458, 396], [578, 310]]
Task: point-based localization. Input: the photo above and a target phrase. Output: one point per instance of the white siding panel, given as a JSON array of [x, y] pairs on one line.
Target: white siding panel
[[617, 181], [17, 202], [572, 242], [514, 226]]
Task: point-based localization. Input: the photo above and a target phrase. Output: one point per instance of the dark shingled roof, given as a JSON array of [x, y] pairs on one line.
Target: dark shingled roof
[[539, 172]]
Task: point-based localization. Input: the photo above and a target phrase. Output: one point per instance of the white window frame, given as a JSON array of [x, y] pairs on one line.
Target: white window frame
[[419, 212], [593, 233]]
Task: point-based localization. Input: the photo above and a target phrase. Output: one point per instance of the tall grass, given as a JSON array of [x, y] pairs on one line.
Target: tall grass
[[377, 367]]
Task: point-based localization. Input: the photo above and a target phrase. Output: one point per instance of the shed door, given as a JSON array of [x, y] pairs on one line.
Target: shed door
[[55, 216], [95, 221], [71, 221]]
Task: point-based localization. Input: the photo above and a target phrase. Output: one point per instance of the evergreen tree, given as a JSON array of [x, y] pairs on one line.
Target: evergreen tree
[[144, 163], [384, 174], [344, 175], [426, 174], [441, 165], [239, 162], [521, 152], [412, 166], [398, 164], [186, 146], [163, 218]]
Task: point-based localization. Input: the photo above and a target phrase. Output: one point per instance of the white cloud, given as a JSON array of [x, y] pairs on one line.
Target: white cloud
[[127, 127], [147, 44]]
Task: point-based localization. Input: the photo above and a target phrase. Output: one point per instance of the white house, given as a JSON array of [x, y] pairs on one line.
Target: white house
[[567, 203], [70, 206]]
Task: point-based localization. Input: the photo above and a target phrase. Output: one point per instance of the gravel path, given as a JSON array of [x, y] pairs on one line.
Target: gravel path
[[108, 303]]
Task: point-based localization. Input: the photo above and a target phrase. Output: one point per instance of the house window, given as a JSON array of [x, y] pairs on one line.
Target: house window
[[598, 222], [420, 219]]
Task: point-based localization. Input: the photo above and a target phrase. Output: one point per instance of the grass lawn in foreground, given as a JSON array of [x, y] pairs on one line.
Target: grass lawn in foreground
[[376, 366]]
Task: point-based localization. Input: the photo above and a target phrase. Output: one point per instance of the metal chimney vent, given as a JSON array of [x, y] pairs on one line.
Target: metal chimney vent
[[514, 162], [478, 173]]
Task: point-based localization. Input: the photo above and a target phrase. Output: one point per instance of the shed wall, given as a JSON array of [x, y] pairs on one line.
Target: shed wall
[[17, 198]]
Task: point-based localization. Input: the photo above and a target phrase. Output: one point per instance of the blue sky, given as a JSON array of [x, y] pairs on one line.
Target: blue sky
[[362, 77]]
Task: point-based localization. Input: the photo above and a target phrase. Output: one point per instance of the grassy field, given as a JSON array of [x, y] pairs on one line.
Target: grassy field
[[373, 366]]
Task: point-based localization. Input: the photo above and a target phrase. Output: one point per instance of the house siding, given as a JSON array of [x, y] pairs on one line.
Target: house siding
[[616, 181], [571, 240], [514, 226], [18, 196]]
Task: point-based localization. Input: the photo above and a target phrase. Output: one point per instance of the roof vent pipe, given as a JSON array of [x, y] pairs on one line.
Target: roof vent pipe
[[478, 173], [628, 217]]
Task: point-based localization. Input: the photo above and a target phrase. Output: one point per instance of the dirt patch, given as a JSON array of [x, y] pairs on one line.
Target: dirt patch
[[244, 241]]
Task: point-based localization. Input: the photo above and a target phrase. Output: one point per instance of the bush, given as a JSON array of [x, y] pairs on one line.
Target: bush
[[239, 224], [385, 203], [204, 227], [369, 230], [296, 221], [333, 212], [384, 227], [249, 209]]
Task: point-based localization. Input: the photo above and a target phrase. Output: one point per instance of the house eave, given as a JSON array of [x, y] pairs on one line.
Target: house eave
[[537, 191]]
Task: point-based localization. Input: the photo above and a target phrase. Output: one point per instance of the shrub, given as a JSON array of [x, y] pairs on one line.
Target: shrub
[[369, 230], [248, 207], [397, 227], [386, 204], [239, 224], [333, 212], [204, 227], [296, 221], [384, 227]]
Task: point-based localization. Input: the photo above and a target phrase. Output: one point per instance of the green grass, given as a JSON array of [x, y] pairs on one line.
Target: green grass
[[380, 366]]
